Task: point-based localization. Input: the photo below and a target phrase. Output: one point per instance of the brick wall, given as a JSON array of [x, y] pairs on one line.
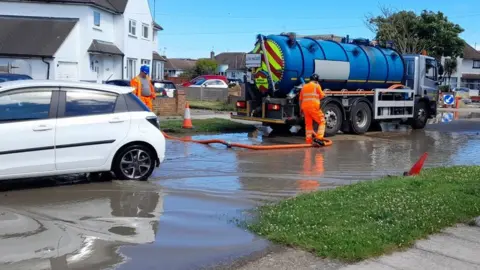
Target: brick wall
[[170, 106]]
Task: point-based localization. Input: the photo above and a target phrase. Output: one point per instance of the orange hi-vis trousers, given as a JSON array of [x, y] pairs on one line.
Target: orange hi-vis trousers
[[147, 101], [313, 114]]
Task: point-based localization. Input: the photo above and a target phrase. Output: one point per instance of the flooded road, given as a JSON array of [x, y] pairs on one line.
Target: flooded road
[[182, 217]]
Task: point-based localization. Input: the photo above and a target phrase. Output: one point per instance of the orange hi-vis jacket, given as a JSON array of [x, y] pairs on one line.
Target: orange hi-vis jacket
[[310, 95], [137, 84]]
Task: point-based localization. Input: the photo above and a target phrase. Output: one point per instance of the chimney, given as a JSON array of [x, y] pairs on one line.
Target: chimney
[[212, 55]]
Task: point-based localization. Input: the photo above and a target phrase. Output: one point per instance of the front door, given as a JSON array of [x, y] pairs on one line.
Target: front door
[[88, 129], [27, 129]]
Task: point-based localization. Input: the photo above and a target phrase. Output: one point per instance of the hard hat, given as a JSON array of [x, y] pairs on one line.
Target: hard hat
[[314, 77], [145, 69]]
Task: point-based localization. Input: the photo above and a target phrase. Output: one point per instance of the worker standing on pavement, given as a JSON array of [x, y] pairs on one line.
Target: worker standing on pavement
[[144, 89], [310, 97]]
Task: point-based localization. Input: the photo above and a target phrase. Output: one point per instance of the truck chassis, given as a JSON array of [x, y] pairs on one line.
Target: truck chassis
[[353, 112]]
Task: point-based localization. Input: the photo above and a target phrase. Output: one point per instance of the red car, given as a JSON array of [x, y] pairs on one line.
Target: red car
[[204, 78]]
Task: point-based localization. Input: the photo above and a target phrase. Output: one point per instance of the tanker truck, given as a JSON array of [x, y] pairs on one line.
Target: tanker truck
[[365, 84]]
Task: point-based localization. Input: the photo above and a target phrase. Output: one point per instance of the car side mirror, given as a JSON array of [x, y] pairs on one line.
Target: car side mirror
[[440, 69]]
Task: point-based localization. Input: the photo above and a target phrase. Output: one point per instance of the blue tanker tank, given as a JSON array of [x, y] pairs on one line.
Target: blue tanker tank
[[340, 65]]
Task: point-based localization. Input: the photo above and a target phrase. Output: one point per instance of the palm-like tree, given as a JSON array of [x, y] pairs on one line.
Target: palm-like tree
[[450, 67]]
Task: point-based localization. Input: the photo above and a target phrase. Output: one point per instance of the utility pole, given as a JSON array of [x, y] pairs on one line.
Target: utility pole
[[154, 10]]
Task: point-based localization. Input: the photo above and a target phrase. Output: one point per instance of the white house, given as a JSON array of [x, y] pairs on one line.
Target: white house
[[468, 69], [230, 64], [87, 40], [175, 67]]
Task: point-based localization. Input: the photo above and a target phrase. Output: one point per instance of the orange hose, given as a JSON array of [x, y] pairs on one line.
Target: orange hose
[[248, 146]]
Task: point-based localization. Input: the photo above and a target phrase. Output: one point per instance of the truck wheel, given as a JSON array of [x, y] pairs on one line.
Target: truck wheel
[[333, 117], [420, 116], [361, 118]]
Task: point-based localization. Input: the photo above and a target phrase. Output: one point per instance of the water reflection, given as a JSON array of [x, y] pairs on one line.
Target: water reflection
[[74, 227]]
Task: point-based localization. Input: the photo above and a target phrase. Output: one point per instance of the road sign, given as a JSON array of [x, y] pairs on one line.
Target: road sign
[[447, 117], [448, 99], [253, 60]]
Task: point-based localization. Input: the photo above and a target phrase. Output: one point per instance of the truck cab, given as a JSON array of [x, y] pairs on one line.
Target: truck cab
[[423, 74]]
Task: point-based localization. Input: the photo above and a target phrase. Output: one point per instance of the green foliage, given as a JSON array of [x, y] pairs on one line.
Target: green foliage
[[412, 33], [202, 67], [211, 105], [450, 67], [364, 220], [212, 125]]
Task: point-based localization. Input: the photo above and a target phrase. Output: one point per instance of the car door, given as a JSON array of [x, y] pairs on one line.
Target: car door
[[27, 128], [90, 125]]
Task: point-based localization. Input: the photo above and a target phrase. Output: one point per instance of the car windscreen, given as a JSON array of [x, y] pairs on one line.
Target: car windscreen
[[200, 82]]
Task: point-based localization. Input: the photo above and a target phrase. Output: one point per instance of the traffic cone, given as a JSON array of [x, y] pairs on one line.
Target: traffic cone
[[187, 121], [417, 167]]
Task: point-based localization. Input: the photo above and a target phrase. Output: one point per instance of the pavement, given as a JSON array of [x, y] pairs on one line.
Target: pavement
[[184, 216], [454, 248]]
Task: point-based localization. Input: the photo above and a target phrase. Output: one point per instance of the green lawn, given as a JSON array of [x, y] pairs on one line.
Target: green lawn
[[359, 221], [205, 126], [211, 105]]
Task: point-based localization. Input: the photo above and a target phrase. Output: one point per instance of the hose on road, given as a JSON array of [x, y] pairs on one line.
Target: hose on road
[[326, 142]]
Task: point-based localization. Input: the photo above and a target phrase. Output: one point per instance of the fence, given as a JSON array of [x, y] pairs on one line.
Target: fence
[[206, 94], [470, 85]]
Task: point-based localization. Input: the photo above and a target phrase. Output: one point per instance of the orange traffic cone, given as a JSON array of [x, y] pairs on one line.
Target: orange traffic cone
[[187, 121], [417, 167]]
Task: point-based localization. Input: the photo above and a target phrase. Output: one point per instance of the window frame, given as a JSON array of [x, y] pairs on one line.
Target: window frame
[[120, 103], [95, 12], [432, 64], [145, 60], [52, 114], [145, 31], [131, 74], [478, 64], [132, 24]]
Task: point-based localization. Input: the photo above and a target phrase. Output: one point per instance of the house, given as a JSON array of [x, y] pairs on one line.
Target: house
[[158, 71], [230, 64], [174, 67], [468, 69], [86, 40]]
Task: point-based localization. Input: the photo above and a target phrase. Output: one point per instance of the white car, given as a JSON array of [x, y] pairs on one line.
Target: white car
[[53, 128], [212, 83]]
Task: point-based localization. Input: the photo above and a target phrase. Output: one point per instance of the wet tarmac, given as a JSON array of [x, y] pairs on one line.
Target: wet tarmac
[[183, 217]]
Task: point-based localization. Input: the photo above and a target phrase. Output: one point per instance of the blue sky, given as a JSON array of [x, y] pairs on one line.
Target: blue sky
[[194, 28]]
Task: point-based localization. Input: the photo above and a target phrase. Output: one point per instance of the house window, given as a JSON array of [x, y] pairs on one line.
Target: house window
[[96, 18], [145, 31], [145, 62], [132, 27], [131, 68], [476, 63]]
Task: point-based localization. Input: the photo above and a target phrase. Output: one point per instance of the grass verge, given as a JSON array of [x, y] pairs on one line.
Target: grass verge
[[364, 220], [211, 105], [212, 125]]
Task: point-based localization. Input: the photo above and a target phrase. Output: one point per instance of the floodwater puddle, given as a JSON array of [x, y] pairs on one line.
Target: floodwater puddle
[[183, 217]]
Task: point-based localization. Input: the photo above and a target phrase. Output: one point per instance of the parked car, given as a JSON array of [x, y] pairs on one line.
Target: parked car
[[165, 88], [210, 84], [118, 82], [204, 78], [6, 77], [53, 128]]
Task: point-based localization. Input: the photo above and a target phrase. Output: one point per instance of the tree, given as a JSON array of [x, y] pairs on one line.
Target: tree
[[450, 67], [202, 67], [412, 33]]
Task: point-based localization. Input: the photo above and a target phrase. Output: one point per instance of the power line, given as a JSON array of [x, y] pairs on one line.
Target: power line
[[185, 15], [259, 31]]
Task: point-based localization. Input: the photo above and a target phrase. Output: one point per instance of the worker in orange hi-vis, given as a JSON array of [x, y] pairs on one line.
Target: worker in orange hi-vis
[[144, 89], [310, 97]]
